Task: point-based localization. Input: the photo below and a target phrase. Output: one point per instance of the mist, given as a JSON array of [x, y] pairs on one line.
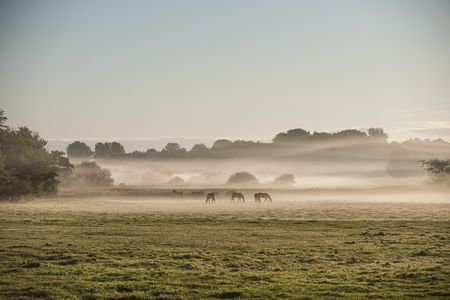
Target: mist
[[339, 163]]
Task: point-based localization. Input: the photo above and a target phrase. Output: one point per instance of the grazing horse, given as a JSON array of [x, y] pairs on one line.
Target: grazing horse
[[265, 196], [177, 193], [238, 196], [211, 198]]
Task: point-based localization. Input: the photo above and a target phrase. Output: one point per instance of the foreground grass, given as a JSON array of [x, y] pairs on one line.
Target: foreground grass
[[63, 254]]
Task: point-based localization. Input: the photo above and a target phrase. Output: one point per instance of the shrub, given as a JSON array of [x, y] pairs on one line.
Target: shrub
[[176, 181], [438, 169], [285, 179], [242, 178], [88, 174]]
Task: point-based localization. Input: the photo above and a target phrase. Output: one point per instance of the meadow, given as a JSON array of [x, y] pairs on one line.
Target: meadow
[[141, 247]]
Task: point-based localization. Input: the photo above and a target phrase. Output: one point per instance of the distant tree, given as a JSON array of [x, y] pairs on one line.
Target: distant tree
[[151, 153], [78, 149], [102, 149], [173, 150], [350, 133], [172, 147], [292, 136], [438, 169], [3, 119], [242, 178], [199, 151], [117, 150], [221, 144], [319, 136], [285, 179], [106, 150], [88, 174], [137, 154], [378, 134], [244, 144]]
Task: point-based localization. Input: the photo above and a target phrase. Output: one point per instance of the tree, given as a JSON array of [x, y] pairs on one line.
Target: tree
[[285, 179], [78, 149], [438, 169], [117, 149], [350, 133], [88, 174], [62, 163], [199, 151], [242, 178], [291, 136], [106, 149], [3, 119], [173, 150], [172, 147], [102, 150], [25, 165], [151, 153], [221, 144], [378, 134]]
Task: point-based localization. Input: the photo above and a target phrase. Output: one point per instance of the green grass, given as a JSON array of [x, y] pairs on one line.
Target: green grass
[[257, 254]]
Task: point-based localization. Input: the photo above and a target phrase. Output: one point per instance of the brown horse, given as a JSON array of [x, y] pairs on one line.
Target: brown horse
[[211, 198], [265, 196], [238, 196]]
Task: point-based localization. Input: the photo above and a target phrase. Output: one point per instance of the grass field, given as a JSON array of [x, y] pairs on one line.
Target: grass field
[[96, 248]]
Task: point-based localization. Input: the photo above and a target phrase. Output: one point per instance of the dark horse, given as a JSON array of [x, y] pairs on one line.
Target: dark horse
[[211, 198], [238, 196], [265, 196]]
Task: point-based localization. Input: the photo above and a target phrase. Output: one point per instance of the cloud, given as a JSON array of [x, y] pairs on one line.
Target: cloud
[[429, 129]]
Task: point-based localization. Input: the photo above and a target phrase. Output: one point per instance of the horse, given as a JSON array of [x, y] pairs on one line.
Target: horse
[[211, 198], [265, 196], [238, 196]]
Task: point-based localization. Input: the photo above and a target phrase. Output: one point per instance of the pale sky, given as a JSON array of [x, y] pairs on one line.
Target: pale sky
[[235, 69]]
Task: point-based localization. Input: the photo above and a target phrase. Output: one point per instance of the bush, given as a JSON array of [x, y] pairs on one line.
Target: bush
[[438, 169], [88, 174], [285, 179], [176, 181], [242, 178]]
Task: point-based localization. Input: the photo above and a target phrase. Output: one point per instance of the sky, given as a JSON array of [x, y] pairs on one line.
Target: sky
[[236, 69]]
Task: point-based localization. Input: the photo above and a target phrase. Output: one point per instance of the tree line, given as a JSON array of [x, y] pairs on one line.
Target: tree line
[[227, 148], [27, 167]]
